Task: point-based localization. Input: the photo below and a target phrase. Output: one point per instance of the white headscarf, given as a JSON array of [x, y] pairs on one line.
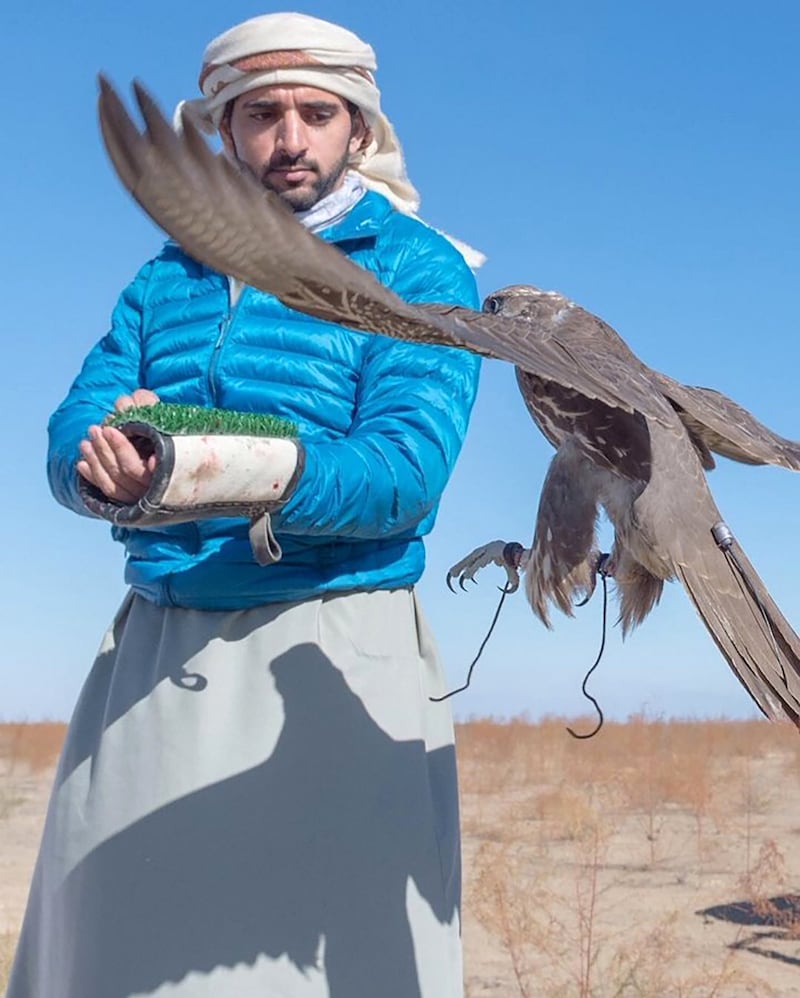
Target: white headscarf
[[291, 48]]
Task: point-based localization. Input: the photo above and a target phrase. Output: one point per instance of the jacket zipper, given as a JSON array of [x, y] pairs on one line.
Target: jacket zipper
[[224, 327]]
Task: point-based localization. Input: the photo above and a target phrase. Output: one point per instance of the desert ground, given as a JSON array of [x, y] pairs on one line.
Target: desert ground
[[657, 859]]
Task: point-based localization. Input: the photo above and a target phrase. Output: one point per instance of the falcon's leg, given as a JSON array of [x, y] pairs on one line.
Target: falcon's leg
[[563, 562], [507, 555], [602, 564]]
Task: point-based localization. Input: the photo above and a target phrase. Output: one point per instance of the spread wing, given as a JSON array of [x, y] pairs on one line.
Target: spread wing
[[726, 427], [224, 218]]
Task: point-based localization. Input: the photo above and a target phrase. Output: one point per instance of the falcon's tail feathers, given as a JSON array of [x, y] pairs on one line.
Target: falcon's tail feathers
[[749, 629]]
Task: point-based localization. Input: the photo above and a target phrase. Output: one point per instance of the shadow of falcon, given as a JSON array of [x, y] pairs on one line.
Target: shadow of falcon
[[627, 438]]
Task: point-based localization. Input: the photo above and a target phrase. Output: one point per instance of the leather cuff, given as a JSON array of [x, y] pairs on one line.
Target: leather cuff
[[199, 476]]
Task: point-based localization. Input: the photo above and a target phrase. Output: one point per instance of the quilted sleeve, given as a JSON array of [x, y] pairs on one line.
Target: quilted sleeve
[[387, 476], [112, 368]]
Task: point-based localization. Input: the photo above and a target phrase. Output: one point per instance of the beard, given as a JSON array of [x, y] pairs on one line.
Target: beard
[[306, 193]]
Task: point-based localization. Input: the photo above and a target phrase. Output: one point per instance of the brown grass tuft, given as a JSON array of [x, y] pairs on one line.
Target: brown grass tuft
[[33, 747]]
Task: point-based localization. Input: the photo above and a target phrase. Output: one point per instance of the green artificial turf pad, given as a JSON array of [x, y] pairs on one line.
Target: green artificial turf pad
[[183, 420]]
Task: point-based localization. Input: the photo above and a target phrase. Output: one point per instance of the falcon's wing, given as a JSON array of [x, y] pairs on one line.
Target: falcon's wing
[[726, 427], [678, 516], [224, 218], [593, 359]]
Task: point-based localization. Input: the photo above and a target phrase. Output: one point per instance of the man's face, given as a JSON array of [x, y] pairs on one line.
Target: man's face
[[296, 140]]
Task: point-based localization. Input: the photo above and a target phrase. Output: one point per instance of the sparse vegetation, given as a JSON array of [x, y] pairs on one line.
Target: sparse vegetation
[[31, 748], [604, 869], [656, 860]]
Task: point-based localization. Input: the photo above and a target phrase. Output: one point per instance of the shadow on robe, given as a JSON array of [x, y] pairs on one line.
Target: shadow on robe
[[316, 843]]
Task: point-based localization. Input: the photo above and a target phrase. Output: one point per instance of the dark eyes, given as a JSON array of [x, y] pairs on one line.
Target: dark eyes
[[310, 117], [492, 305]]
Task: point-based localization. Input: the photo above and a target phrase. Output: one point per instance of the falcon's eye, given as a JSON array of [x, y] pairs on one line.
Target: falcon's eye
[[492, 305]]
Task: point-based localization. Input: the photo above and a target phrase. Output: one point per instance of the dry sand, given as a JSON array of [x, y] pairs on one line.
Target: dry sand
[[657, 860]]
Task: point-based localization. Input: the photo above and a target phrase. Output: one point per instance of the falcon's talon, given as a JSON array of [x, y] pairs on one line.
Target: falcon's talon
[[600, 563], [604, 566], [507, 555]]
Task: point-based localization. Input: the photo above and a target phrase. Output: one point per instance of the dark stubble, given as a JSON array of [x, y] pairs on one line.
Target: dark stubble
[[303, 198]]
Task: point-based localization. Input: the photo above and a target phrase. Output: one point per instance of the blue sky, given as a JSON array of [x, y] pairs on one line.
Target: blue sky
[[642, 158]]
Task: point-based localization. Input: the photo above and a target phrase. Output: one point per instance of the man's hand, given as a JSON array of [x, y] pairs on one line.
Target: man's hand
[[157, 478], [110, 461]]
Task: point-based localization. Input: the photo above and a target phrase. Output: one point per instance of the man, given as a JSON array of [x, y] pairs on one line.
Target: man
[[256, 795]]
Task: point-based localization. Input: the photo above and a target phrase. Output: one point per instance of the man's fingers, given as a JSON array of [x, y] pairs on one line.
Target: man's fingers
[[124, 402], [88, 469], [124, 453], [94, 471], [112, 463], [142, 396], [126, 464], [109, 454]]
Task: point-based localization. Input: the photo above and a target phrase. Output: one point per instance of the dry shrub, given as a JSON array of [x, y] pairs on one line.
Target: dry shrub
[[765, 885], [524, 751], [507, 912], [495, 756], [643, 967], [561, 944], [646, 765], [484, 747], [554, 864], [568, 814], [501, 820], [33, 747], [670, 762], [651, 967], [553, 941]]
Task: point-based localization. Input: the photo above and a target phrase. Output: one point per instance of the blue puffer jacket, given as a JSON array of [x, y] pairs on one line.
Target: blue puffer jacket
[[382, 421]]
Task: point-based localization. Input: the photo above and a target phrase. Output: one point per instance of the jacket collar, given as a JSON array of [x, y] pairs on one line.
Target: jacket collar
[[364, 220]]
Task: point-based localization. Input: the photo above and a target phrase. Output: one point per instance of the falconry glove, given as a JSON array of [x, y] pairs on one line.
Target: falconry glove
[[202, 475]]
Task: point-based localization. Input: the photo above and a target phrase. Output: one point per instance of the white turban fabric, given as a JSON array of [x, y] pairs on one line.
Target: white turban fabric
[[288, 48]]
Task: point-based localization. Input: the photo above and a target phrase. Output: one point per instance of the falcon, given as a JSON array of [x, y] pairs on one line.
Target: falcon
[[628, 439]]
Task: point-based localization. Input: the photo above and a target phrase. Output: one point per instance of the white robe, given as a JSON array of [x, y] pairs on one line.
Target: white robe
[[253, 803]]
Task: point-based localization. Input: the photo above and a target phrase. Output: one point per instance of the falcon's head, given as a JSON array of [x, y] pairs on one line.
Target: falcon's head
[[523, 301]]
